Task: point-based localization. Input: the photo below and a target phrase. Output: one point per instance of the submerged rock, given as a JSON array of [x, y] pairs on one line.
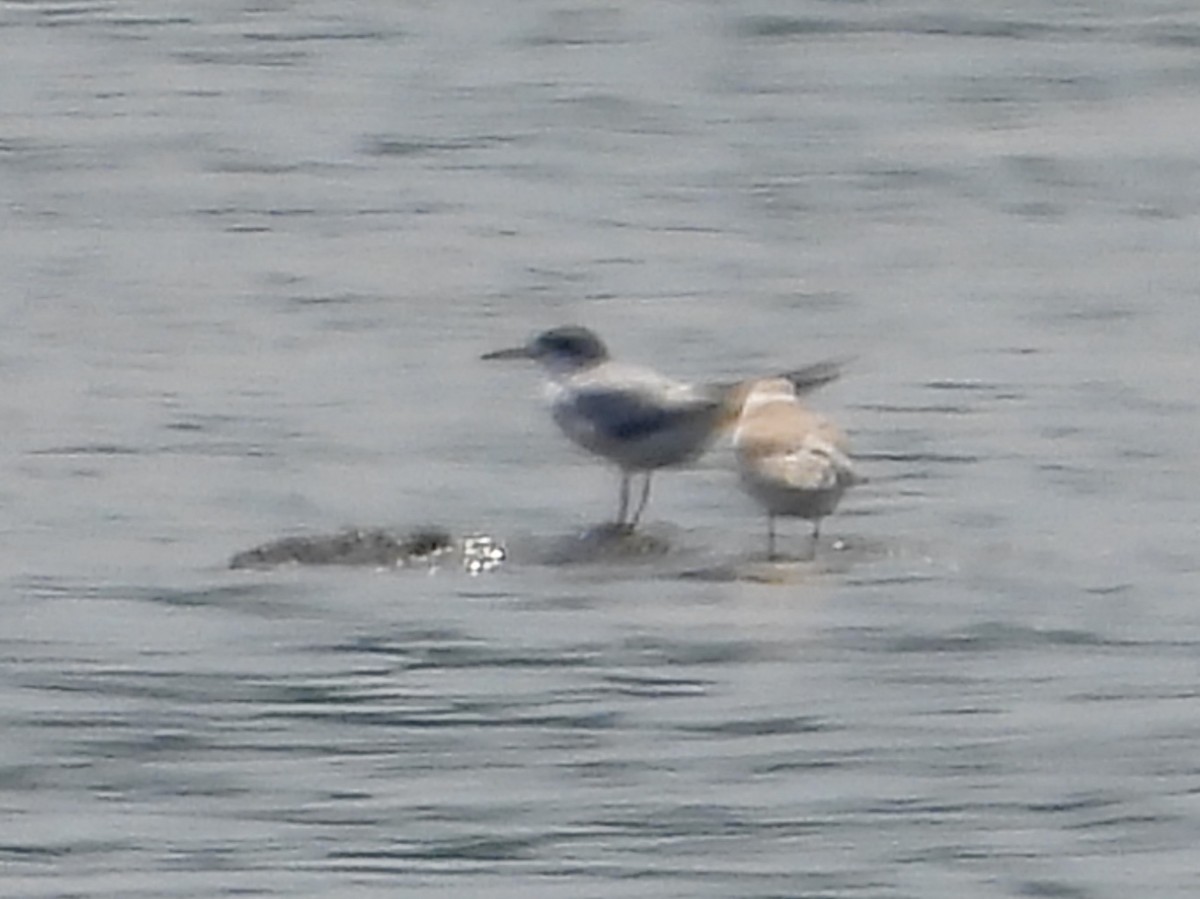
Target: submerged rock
[[431, 547], [659, 549], [603, 543], [378, 548]]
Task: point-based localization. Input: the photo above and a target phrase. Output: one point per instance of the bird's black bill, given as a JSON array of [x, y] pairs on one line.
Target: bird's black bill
[[516, 352]]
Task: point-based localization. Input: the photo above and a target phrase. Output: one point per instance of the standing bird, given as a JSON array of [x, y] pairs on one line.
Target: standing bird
[[632, 416], [792, 461]]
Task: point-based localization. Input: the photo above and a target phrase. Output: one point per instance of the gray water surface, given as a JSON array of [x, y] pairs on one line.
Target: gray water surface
[[251, 254]]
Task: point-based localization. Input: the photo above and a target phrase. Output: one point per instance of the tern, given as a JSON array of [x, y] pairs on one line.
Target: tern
[[794, 462], [634, 417]]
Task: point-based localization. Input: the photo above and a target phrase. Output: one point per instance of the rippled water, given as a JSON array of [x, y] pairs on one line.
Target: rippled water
[[251, 254]]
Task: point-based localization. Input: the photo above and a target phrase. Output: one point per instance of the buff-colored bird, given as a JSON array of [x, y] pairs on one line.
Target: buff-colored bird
[[791, 460]]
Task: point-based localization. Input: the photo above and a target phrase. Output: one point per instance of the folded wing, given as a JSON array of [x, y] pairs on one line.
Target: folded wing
[[631, 413]]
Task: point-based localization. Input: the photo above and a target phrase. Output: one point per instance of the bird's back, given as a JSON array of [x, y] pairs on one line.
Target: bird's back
[[634, 416], [792, 460], [784, 425]]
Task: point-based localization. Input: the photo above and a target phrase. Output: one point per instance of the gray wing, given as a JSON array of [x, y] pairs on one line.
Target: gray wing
[[629, 413]]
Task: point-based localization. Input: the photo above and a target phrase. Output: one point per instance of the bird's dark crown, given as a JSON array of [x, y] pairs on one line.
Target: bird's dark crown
[[569, 342]]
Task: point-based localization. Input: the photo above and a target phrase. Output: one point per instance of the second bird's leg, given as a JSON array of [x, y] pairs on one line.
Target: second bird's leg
[[645, 498], [770, 536]]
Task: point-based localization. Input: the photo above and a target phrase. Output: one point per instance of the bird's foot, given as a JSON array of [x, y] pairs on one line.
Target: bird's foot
[[612, 529]]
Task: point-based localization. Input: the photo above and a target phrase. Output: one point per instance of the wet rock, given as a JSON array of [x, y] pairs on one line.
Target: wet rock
[[661, 550], [831, 557], [604, 543], [377, 548]]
